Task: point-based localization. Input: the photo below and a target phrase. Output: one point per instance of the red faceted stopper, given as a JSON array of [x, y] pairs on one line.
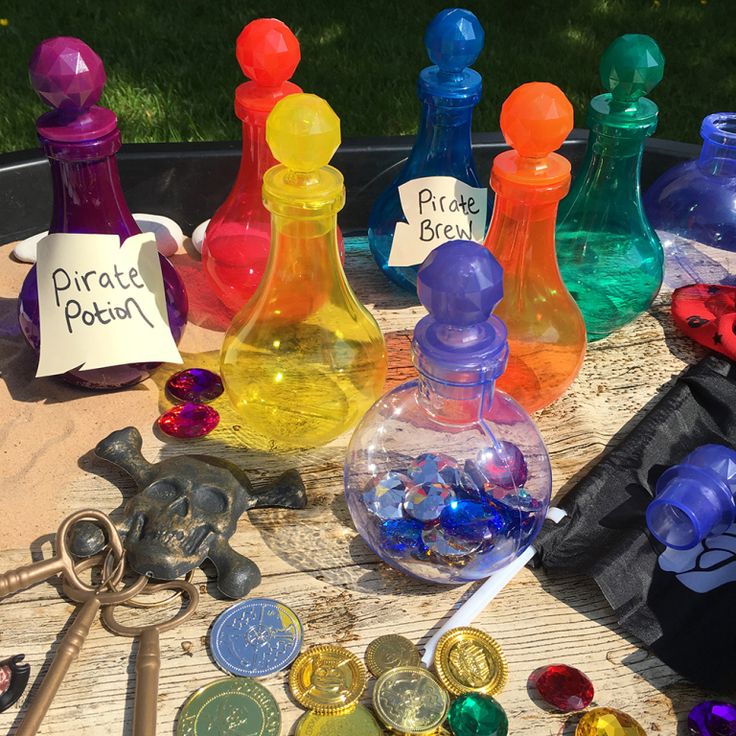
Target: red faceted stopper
[[268, 52], [563, 687], [66, 73]]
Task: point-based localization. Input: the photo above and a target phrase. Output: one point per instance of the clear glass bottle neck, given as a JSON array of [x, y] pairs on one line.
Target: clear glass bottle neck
[[455, 403], [88, 197]]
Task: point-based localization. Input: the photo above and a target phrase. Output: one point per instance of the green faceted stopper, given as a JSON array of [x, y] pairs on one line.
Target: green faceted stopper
[[631, 66], [475, 714]]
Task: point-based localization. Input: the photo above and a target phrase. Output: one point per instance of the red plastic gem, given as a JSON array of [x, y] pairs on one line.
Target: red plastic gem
[[195, 384], [563, 687], [189, 420]]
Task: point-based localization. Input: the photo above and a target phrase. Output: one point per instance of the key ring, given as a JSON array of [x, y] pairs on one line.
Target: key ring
[[186, 588], [142, 604], [70, 567], [105, 597]]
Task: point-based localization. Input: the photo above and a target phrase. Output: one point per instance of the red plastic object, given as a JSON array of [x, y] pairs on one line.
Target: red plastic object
[[707, 314], [238, 238], [563, 687]]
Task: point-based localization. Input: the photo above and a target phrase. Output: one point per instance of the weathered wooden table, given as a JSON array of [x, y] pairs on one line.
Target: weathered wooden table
[[313, 560]]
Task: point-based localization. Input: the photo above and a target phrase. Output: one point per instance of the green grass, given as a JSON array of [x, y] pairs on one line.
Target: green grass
[[172, 67]]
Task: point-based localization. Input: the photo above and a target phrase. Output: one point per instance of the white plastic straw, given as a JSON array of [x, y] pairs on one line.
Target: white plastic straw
[[469, 611]]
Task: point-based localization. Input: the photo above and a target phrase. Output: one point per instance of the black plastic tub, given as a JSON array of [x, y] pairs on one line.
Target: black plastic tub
[[188, 181]]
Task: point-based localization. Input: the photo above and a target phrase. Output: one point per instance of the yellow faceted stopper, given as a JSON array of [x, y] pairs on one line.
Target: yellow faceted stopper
[[608, 722], [303, 132]]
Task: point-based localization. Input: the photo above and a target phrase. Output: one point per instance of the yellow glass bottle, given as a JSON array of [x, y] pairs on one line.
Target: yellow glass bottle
[[303, 360]]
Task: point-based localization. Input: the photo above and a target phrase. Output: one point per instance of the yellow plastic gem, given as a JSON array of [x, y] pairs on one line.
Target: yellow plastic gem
[[303, 132], [467, 660], [327, 679], [608, 722]]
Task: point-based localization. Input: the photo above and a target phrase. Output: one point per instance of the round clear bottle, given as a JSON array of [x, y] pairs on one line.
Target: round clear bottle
[[447, 478], [303, 359], [610, 257]]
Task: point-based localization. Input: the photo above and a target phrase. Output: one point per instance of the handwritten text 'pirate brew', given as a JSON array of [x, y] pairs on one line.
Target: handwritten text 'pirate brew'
[[431, 204], [70, 290]]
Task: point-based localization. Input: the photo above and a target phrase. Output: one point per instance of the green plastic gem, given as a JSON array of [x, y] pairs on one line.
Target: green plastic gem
[[631, 66], [475, 714]]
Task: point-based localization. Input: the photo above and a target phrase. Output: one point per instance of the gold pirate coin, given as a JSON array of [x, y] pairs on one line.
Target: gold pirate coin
[[467, 660], [409, 700], [359, 722], [327, 679], [229, 706], [391, 651]]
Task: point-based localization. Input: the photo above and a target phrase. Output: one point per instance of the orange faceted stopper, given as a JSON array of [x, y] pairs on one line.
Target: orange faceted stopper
[[268, 52], [536, 118]]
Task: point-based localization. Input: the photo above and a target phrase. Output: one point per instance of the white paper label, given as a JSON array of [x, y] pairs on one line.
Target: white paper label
[[101, 304], [437, 209]]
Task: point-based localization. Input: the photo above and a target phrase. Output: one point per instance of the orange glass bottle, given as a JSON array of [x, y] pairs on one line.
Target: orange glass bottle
[[546, 328]]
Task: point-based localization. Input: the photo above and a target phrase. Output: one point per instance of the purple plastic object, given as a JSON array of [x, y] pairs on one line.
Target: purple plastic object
[[197, 385], [695, 499], [459, 349], [712, 718], [81, 140], [697, 199]]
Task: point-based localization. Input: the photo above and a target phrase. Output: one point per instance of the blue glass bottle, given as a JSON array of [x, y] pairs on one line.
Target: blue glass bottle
[[696, 201], [448, 91]]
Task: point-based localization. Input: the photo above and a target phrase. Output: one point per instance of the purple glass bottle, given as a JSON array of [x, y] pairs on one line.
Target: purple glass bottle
[[81, 140]]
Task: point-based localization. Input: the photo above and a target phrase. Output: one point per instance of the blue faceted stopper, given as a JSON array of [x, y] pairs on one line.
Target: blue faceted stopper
[[460, 283], [454, 39]]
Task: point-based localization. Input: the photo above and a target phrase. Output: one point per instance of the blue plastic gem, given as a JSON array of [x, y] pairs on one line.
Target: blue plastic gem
[[427, 501], [440, 543], [384, 496], [434, 467], [401, 536], [471, 520], [503, 466]]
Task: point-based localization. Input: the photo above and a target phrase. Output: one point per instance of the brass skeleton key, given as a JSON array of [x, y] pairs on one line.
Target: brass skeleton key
[[62, 562], [72, 643], [148, 658]]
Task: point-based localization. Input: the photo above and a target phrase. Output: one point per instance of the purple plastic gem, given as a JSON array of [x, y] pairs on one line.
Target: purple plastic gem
[[471, 520], [712, 718], [503, 466], [427, 501], [187, 421], [384, 496], [401, 536], [195, 384], [442, 544], [66, 73], [434, 467]]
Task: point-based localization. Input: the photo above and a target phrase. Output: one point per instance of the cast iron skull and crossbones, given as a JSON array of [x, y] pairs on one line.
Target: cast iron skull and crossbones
[[186, 509]]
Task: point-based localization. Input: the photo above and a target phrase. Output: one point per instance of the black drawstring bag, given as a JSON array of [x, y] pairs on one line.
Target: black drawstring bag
[[682, 605]]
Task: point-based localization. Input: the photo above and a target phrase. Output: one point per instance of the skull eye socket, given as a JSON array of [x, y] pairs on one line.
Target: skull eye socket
[[210, 500], [163, 491]]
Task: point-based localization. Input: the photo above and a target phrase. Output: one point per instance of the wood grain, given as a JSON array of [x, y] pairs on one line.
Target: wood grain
[[314, 561]]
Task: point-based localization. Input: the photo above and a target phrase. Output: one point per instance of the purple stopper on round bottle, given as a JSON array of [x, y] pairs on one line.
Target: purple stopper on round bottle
[[69, 77], [460, 283], [695, 499]]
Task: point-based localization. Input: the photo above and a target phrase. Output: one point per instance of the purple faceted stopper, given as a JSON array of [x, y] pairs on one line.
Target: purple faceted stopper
[[460, 283], [67, 74]]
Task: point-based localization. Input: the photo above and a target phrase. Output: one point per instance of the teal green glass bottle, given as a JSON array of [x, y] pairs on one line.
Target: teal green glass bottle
[[609, 255]]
